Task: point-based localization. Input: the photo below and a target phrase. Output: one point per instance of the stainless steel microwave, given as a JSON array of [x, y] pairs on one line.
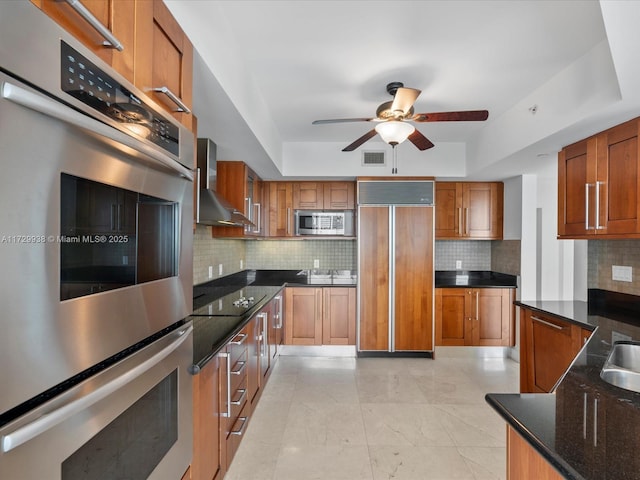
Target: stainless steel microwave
[[311, 222]]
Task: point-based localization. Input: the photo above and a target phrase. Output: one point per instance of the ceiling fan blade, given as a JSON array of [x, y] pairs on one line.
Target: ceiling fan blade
[[404, 99], [465, 116], [420, 141], [341, 120], [367, 136]]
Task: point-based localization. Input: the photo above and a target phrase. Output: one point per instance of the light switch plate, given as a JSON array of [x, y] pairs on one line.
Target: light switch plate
[[316, 263], [458, 264], [622, 274]]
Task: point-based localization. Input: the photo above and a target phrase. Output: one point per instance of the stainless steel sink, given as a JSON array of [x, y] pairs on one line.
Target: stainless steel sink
[[622, 367]]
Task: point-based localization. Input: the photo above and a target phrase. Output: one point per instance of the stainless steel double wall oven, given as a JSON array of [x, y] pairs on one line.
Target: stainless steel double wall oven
[[95, 248]]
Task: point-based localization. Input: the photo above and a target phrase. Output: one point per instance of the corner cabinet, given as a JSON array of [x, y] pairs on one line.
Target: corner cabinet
[[469, 210], [599, 185], [320, 316], [240, 185], [475, 317]]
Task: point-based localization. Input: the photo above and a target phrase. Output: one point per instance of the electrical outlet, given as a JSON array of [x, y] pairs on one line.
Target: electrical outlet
[[458, 264], [210, 271], [622, 274], [220, 269], [316, 263], [241, 264]]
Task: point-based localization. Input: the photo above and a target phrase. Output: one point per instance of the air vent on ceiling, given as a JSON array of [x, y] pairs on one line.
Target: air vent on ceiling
[[373, 159]]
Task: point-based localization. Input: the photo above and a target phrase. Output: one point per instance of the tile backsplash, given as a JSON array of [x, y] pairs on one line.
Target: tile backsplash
[[208, 251], [505, 256], [603, 254], [288, 254], [474, 254]]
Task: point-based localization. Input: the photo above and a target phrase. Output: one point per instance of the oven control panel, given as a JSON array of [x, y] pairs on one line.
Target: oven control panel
[[81, 79]]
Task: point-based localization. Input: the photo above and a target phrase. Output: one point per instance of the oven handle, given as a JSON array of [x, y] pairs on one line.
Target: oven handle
[[51, 419], [52, 108]]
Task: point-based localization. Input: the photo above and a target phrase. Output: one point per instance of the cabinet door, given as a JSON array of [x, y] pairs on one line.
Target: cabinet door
[[308, 195], [448, 201], [413, 321], [373, 251], [482, 210], [235, 182], [253, 358], [118, 16], [164, 58], [280, 209], [339, 316], [492, 318], [524, 462], [453, 307], [304, 316], [207, 461], [339, 195], [576, 194], [617, 210], [550, 346]]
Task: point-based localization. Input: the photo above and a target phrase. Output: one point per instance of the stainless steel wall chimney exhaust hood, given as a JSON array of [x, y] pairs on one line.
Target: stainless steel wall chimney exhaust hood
[[212, 208]]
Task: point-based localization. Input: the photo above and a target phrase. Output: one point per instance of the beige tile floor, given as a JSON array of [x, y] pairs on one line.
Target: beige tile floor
[[337, 418]]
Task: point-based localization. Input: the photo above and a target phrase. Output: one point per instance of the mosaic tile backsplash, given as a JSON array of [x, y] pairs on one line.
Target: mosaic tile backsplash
[[505, 256], [287, 254], [603, 254], [474, 255]]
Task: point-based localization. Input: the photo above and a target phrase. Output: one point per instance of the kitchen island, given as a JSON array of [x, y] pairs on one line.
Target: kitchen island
[[586, 428]]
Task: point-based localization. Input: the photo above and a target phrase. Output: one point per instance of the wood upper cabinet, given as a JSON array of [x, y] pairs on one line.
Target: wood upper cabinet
[[164, 59], [280, 222], [339, 195], [323, 195], [469, 210], [548, 346], [240, 185], [117, 16], [320, 316], [308, 195], [599, 185], [208, 460], [475, 316]]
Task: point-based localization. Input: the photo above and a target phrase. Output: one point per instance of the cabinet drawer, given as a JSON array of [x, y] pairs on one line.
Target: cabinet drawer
[[236, 433], [238, 375], [238, 399], [237, 347]]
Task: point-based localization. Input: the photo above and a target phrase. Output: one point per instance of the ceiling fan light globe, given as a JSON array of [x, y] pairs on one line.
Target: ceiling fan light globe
[[394, 132]]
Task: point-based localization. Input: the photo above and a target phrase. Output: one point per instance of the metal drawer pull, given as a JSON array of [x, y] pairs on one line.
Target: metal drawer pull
[[598, 226], [239, 370], [174, 98], [586, 206], [226, 356], [242, 396], [110, 38], [595, 422], [584, 416], [243, 337], [548, 324], [242, 428]]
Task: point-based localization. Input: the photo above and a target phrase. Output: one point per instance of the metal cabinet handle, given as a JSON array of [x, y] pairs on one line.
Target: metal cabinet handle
[[460, 220], [110, 38], [278, 299], [548, 324], [258, 215], [595, 422], [242, 366], [598, 226], [584, 416], [227, 414], [586, 206], [477, 306], [173, 97], [288, 221], [243, 394], [242, 427], [234, 341]]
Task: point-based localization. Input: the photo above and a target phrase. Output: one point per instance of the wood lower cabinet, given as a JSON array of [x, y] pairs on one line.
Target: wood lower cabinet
[[320, 316], [208, 455], [599, 185], [523, 462], [548, 346], [469, 210], [475, 317]]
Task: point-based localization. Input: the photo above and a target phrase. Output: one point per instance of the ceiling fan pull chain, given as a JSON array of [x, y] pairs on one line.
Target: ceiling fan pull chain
[[394, 169]]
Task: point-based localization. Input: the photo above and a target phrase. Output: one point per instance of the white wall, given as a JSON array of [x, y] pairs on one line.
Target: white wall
[[512, 229]]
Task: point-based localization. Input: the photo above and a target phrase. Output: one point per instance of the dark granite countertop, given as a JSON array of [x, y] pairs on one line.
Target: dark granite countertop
[[474, 279], [211, 333], [561, 425]]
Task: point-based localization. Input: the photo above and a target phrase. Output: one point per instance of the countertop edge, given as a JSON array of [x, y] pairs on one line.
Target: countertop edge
[[562, 467], [580, 323]]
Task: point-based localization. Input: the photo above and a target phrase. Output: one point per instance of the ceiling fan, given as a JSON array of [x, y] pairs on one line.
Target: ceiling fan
[[393, 117]]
